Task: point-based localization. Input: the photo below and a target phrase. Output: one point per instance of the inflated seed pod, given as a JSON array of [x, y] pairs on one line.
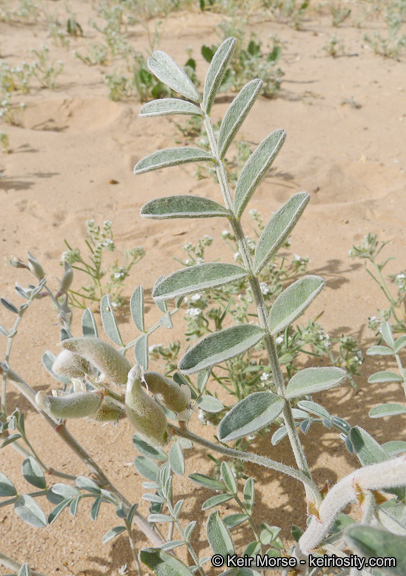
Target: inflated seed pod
[[144, 412], [78, 405], [71, 365], [106, 358], [108, 411], [173, 396]]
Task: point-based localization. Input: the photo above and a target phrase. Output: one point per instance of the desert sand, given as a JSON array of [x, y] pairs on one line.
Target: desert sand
[[74, 142]]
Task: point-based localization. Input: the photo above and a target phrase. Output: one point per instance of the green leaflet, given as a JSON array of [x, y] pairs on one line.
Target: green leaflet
[[165, 69], [195, 278], [312, 380], [28, 510], [183, 207], [380, 350], [141, 351], [256, 168], [109, 320], [390, 409], [89, 327], [216, 501], [210, 404], [236, 114], [278, 229], [171, 157], [293, 302], [33, 473], [376, 543], [249, 415], [220, 346], [163, 564], [166, 106], [207, 481], [380, 377], [218, 536], [7, 488], [216, 72], [137, 308], [228, 478], [113, 533], [176, 459]]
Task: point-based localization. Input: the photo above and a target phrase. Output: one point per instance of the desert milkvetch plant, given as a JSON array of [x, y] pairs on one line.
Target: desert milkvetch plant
[[97, 382], [261, 408]]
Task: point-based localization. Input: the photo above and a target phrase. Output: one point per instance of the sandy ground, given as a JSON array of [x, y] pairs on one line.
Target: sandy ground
[[74, 141]]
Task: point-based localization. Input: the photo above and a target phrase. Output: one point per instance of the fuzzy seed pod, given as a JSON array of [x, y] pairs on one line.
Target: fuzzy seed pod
[[35, 267], [144, 412], [72, 406], [108, 411], [71, 365], [176, 398], [66, 279], [106, 358]]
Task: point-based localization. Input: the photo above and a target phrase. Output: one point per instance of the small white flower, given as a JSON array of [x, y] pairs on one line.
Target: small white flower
[[193, 311], [187, 246], [279, 340], [264, 377], [264, 288], [199, 261], [195, 297]]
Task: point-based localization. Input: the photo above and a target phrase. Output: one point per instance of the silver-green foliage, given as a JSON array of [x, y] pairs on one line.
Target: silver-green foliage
[[89, 368]]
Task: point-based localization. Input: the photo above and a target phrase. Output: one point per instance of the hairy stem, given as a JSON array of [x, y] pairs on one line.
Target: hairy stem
[[13, 565], [133, 548], [250, 457]]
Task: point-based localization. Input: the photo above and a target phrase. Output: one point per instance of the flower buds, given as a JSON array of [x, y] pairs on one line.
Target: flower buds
[[144, 412], [106, 358], [66, 279], [176, 398], [35, 267], [71, 406], [71, 365]]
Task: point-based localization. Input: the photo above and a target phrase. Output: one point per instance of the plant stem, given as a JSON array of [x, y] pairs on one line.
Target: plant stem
[[133, 548], [13, 565], [182, 534], [253, 458], [262, 315]]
